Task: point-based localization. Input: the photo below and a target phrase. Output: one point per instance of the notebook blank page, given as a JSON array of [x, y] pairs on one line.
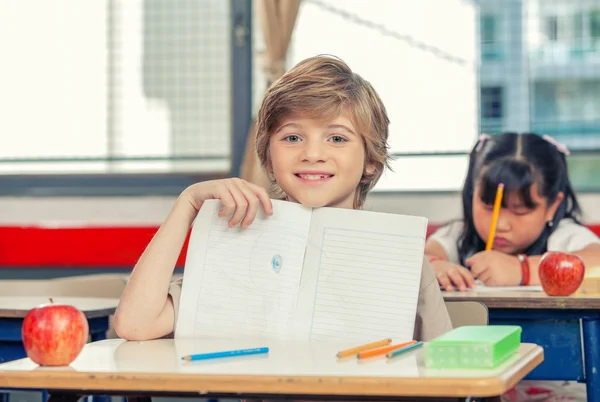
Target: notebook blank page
[[368, 274]]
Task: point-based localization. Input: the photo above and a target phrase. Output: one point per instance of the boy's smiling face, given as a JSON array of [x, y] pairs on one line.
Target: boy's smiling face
[[318, 163]]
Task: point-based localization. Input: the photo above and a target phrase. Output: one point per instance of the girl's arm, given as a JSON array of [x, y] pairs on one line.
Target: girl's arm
[[589, 254], [145, 310], [448, 274], [433, 249]]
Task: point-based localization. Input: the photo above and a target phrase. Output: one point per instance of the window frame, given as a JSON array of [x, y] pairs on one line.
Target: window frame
[[132, 184]]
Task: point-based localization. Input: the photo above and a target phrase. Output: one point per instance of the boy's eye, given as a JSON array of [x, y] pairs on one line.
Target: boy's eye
[[292, 138], [338, 139]]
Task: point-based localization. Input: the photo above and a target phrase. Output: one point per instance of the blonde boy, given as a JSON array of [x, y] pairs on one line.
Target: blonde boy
[[322, 139]]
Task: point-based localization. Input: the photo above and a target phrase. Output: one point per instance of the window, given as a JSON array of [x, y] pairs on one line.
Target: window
[[116, 87], [491, 103], [491, 119], [491, 43], [568, 110], [552, 28], [594, 18], [421, 58], [488, 29]]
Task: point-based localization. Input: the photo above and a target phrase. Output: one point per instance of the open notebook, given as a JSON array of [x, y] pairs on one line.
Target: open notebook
[[494, 289], [303, 273]]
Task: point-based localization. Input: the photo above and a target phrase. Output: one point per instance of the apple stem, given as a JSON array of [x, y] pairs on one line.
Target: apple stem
[[51, 301]]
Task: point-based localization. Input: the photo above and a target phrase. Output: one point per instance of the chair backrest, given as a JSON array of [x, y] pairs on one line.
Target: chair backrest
[[29, 287], [464, 313], [95, 285], [100, 285]]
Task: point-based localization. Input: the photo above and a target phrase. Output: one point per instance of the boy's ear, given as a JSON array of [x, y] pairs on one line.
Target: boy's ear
[[554, 206], [370, 168], [269, 165]]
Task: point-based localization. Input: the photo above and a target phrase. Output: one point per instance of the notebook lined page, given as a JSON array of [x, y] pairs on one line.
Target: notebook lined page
[[369, 273], [243, 281]]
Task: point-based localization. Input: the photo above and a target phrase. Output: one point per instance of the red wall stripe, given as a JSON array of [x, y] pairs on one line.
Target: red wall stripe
[[85, 246], [75, 247]]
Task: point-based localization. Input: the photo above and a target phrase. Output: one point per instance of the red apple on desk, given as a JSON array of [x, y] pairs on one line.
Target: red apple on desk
[[560, 273], [54, 334]]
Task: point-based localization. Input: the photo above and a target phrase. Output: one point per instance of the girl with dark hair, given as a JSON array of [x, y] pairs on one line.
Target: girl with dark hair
[[539, 213]]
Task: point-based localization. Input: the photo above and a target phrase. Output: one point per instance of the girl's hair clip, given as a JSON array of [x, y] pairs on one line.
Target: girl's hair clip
[[481, 142], [561, 147]]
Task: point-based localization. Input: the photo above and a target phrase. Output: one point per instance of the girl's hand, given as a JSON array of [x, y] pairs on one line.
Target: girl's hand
[[494, 268], [240, 198], [451, 276]]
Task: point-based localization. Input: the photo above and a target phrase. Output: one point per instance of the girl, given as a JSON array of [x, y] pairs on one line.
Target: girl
[[539, 213], [322, 137]]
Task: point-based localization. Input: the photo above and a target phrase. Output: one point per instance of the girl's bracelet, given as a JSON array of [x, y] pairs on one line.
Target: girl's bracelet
[[525, 272]]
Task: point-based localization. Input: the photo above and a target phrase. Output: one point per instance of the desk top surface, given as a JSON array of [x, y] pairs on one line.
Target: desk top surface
[[290, 368], [525, 299], [92, 307]]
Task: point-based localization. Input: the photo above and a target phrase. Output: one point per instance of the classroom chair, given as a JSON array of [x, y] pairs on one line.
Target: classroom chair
[[95, 285], [463, 313]]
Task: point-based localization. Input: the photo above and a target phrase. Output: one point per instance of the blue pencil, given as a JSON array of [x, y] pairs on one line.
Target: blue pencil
[[227, 353], [397, 352]]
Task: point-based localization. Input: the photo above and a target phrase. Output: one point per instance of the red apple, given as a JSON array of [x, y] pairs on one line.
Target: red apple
[[54, 334], [560, 273]]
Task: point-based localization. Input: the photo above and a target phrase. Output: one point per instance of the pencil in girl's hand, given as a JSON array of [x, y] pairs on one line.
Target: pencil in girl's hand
[[357, 349], [497, 204], [384, 350]]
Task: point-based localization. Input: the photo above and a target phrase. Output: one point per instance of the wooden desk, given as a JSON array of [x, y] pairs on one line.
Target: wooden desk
[[296, 369], [568, 328], [526, 300]]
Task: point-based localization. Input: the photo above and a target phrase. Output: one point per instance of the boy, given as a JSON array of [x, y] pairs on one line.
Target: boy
[[322, 139]]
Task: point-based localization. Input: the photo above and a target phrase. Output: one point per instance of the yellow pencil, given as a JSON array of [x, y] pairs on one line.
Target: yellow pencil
[[357, 349], [497, 203]]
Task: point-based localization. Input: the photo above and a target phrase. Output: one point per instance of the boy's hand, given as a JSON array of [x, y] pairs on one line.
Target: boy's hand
[[240, 198], [494, 268], [451, 276]]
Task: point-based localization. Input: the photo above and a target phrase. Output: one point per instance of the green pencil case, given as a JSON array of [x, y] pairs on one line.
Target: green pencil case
[[483, 346]]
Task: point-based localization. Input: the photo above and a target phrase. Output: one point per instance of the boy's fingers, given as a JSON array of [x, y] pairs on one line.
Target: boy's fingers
[[263, 196], [253, 203], [240, 205], [227, 201]]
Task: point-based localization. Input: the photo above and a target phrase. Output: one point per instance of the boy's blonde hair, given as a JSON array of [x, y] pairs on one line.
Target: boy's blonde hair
[[322, 87]]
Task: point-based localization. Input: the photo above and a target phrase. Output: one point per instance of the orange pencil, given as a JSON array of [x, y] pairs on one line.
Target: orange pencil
[[497, 204], [357, 349], [384, 350]]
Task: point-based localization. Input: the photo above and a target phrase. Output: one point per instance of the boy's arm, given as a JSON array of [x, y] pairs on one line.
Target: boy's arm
[[146, 310], [432, 318]]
